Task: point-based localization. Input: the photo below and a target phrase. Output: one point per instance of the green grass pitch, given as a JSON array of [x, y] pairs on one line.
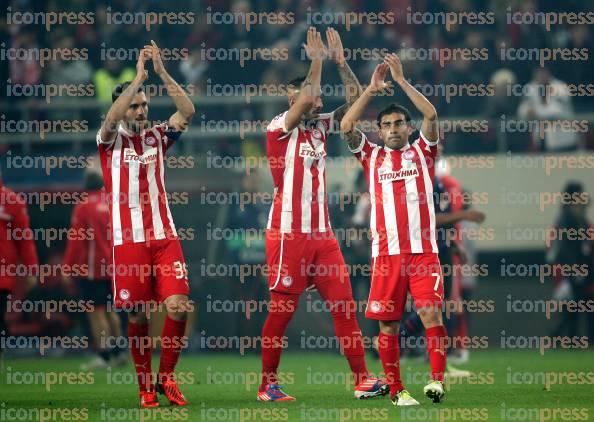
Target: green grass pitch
[[506, 385]]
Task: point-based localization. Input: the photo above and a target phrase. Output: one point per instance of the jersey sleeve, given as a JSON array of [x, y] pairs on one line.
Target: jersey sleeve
[[169, 136], [102, 143], [327, 120], [428, 146], [277, 128]]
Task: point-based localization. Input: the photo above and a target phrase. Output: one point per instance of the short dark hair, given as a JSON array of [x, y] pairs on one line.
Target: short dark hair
[[296, 82], [394, 108], [120, 89]]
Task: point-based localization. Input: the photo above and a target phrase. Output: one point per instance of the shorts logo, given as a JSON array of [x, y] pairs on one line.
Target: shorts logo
[[287, 281], [408, 155], [150, 141], [124, 294], [375, 306]]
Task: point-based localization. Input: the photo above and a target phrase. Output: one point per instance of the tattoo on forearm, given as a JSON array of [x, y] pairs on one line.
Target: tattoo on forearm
[[353, 139], [351, 83]]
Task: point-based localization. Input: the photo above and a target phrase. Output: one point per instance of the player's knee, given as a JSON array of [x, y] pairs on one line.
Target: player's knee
[[390, 328], [431, 317], [177, 313], [177, 307]]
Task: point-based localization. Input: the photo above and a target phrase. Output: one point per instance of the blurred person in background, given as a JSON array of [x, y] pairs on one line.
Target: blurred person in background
[[548, 98], [89, 247], [109, 76], [501, 102], [16, 248], [576, 252], [247, 247], [70, 73], [504, 102]]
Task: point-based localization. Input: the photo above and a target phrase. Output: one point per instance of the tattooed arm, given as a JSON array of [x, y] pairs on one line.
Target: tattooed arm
[[355, 111], [304, 97], [349, 80]]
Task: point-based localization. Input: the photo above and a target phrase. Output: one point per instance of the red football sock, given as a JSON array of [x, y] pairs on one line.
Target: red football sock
[[171, 346], [389, 352], [437, 350], [348, 332], [141, 351], [281, 310]]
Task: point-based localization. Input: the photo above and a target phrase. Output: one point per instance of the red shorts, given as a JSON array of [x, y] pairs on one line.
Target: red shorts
[[8, 283], [297, 261], [148, 271], [393, 276]]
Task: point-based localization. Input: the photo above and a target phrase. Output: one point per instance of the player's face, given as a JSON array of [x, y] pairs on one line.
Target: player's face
[[394, 130], [136, 117], [313, 112]]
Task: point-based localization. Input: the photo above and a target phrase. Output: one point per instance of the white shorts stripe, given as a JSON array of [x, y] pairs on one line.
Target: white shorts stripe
[[280, 263]]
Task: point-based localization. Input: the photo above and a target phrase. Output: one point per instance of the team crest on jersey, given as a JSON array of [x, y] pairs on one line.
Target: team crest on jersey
[[150, 156], [150, 141], [408, 155], [375, 306], [307, 151], [316, 134], [287, 281], [387, 175], [124, 294]]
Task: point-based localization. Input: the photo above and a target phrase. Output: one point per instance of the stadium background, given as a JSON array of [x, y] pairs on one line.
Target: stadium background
[[511, 166]]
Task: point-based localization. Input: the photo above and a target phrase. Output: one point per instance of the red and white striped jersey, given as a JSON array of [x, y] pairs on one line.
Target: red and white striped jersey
[[401, 193], [133, 173], [297, 160]]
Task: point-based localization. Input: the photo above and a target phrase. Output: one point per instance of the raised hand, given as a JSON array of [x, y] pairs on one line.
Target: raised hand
[[335, 49], [315, 48], [395, 64], [156, 57], [141, 72], [378, 83]]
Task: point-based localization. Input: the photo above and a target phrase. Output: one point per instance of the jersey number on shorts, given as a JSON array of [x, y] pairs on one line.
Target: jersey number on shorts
[[437, 278], [181, 270]]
